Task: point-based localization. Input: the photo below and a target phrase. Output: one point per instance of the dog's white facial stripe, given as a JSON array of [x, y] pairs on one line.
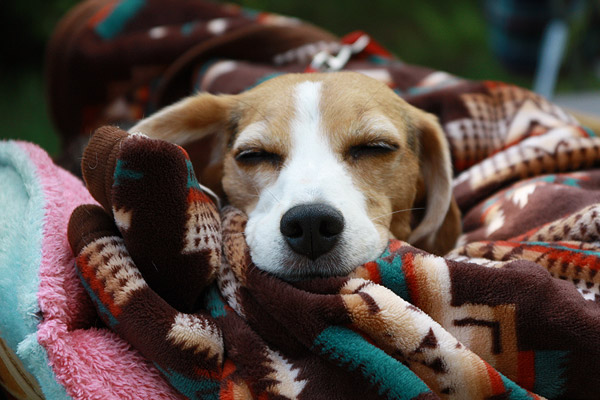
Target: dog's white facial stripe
[[312, 173], [307, 118], [311, 157]]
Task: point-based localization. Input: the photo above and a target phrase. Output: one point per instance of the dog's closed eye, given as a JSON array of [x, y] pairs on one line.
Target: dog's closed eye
[[250, 157], [371, 149]]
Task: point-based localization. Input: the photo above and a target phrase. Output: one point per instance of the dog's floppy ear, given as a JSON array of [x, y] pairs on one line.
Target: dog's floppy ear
[[201, 125], [440, 226]]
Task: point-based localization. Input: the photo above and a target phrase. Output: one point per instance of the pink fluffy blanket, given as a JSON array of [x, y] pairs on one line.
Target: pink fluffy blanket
[[46, 317]]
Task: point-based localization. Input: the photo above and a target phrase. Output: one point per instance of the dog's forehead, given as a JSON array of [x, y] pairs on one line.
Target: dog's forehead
[[341, 89], [347, 101]]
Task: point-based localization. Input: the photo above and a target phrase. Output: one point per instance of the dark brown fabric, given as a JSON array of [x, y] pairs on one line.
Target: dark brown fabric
[[110, 165], [113, 62], [407, 325], [99, 175]]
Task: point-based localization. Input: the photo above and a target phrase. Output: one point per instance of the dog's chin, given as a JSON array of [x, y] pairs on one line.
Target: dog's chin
[[297, 268], [293, 267]]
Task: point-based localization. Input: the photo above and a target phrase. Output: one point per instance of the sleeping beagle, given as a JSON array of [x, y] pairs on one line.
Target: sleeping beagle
[[328, 167]]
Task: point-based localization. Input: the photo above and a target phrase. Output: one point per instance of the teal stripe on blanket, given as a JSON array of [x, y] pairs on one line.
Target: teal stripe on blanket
[[122, 172], [194, 389], [392, 275], [192, 181], [559, 247], [515, 392], [214, 302], [550, 371], [589, 131], [350, 350], [112, 321], [114, 23]]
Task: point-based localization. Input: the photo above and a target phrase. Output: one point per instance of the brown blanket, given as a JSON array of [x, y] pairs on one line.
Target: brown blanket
[[487, 321], [514, 309]]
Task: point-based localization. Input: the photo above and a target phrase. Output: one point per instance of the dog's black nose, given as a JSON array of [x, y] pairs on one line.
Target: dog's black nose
[[312, 229]]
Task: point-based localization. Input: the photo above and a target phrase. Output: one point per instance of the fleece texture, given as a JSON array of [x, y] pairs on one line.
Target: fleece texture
[[506, 292], [46, 315], [32, 206], [501, 317]]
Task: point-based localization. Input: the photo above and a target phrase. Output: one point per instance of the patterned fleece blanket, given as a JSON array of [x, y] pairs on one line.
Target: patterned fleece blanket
[[511, 312], [514, 310]]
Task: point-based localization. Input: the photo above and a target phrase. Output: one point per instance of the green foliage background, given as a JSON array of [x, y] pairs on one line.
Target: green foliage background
[[442, 34]]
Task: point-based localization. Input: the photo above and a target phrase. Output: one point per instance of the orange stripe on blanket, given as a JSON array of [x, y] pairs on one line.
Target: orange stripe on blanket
[[461, 165], [579, 259], [185, 153], [395, 245], [263, 17], [373, 270], [495, 380], [226, 392], [410, 274], [488, 210], [495, 84], [577, 256], [228, 369], [204, 373], [89, 273], [197, 196], [102, 14], [143, 93]]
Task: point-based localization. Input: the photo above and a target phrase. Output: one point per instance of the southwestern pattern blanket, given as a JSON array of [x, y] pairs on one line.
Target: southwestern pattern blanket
[[513, 312]]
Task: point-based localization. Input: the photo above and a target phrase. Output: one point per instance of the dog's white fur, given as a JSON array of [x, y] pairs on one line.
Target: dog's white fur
[[311, 121], [312, 174]]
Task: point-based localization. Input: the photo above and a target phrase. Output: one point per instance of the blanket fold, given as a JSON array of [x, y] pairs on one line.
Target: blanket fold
[[119, 174], [407, 325]]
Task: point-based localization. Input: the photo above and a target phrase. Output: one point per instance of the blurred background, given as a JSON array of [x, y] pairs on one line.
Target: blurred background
[[494, 39]]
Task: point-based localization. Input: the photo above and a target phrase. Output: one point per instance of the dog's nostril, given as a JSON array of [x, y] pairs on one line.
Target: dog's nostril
[[291, 229], [312, 229], [331, 226]]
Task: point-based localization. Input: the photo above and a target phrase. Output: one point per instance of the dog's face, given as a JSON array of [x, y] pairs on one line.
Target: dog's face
[[327, 167]]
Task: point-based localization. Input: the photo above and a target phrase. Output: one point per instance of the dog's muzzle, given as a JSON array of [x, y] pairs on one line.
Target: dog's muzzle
[[312, 229]]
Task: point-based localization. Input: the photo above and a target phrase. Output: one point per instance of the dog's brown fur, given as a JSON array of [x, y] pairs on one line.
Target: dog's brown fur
[[417, 175]]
